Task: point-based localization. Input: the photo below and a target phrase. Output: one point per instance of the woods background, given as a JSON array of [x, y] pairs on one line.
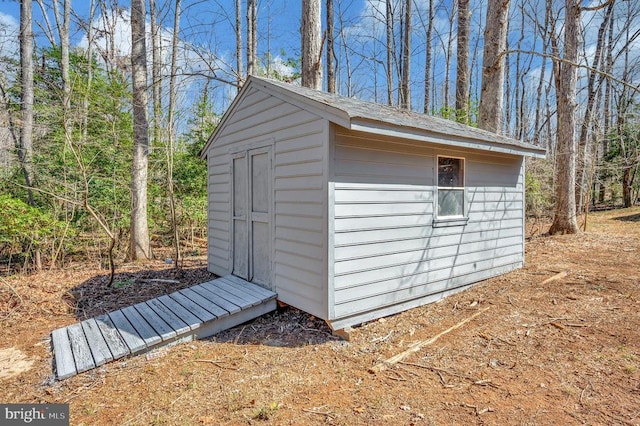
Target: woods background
[[105, 106]]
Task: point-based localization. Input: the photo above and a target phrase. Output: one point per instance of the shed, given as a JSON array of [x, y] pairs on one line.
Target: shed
[[351, 210]]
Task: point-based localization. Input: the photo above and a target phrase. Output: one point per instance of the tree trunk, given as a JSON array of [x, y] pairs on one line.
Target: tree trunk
[[390, 49], [606, 107], [252, 40], [25, 150], [239, 79], [139, 240], [462, 68], [492, 91], [626, 187], [584, 150], [405, 94], [447, 62], [156, 71], [331, 72], [170, 147], [564, 221], [311, 44], [428, 60]]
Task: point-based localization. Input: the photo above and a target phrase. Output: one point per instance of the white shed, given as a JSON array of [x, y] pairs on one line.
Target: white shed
[[350, 210]]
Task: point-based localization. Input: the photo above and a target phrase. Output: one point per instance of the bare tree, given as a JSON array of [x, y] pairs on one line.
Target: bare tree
[[156, 70], [170, 146], [584, 160], [447, 47], [252, 40], [405, 93], [428, 58], [139, 238], [390, 49], [462, 69], [311, 44], [239, 42], [565, 73], [25, 150], [492, 91], [331, 72]]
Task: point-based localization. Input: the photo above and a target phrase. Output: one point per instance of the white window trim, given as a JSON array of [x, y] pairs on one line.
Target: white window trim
[[455, 220]]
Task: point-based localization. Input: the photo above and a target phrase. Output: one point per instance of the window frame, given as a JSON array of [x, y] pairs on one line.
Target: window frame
[[450, 220]]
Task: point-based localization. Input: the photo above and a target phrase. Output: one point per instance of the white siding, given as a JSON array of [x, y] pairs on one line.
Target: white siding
[[386, 251], [300, 186]]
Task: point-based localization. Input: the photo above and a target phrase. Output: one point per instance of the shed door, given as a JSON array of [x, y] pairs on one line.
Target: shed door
[[252, 216]]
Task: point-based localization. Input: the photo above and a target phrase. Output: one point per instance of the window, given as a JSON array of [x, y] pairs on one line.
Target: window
[[450, 187]]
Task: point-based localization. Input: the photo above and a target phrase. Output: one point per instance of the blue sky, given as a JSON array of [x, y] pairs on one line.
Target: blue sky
[[208, 43]]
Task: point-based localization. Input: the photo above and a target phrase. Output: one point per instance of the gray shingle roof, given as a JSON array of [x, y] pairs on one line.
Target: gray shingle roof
[[363, 114]]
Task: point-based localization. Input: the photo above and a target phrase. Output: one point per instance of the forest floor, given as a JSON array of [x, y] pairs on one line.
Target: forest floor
[[564, 351]]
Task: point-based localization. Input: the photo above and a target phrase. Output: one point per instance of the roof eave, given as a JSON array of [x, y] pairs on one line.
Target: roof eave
[[382, 128]]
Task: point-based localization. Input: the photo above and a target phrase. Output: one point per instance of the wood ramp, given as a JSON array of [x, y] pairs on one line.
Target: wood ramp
[[192, 313]]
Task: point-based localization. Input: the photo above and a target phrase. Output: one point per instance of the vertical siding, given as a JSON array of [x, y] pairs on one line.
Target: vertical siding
[[299, 183], [386, 250]]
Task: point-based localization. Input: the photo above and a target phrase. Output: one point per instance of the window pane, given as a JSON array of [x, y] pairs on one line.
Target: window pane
[[450, 172], [450, 202]]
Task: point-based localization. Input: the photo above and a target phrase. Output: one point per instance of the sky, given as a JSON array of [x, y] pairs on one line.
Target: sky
[[208, 42]]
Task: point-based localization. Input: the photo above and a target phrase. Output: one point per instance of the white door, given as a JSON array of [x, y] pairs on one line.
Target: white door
[[251, 179]]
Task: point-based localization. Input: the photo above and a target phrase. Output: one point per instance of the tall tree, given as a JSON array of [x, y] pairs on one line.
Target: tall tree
[[492, 89], [156, 70], [583, 175], [428, 58], [140, 247], [331, 72], [25, 150], [170, 146], [252, 40], [390, 48], [239, 44], [405, 93], [462, 69], [311, 44], [565, 73]]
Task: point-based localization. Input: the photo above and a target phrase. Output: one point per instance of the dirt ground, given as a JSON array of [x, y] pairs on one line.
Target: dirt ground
[[565, 351]]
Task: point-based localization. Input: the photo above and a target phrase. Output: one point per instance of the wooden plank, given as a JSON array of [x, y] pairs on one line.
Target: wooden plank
[[160, 327], [214, 303], [183, 313], [217, 289], [80, 348], [97, 344], [192, 306], [148, 334], [256, 289], [114, 340], [179, 326], [129, 334], [208, 303], [65, 366], [238, 292]]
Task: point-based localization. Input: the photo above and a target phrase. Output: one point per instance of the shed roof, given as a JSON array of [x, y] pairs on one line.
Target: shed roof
[[379, 119]]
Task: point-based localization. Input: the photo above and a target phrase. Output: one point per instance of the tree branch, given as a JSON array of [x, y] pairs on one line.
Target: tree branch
[[575, 64]]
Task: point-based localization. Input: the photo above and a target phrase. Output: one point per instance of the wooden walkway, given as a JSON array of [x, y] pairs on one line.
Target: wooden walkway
[[192, 313]]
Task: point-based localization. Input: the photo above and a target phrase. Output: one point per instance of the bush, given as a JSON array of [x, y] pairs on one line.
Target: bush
[[25, 229]]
